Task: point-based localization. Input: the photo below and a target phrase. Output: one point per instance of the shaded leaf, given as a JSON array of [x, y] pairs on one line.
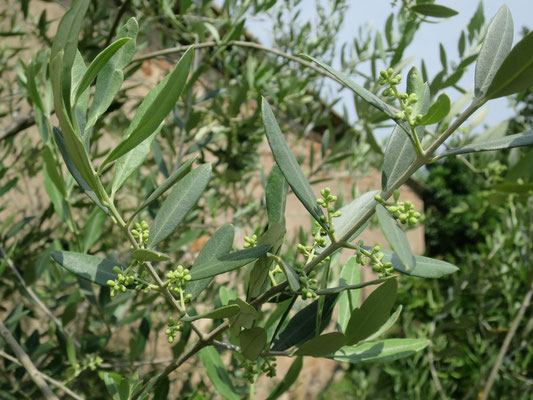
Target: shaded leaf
[[322, 345], [292, 276], [373, 313], [149, 255], [93, 229], [276, 196], [434, 10], [217, 373], [95, 269], [395, 236], [218, 313], [253, 342], [179, 202], [386, 326], [380, 351], [506, 142]]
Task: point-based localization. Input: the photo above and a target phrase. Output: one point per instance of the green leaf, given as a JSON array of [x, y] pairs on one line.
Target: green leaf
[[373, 313], [66, 42], [368, 96], [253, 342], [386, 326], [218, 313], [496, 46], [434, 10], [395, 236], [302, 326], [290, 377], [322, 345], [351, 213], [217, 373], [400, 153], [93, 229], [71, 353], [97, 64], [95, 269], [244, 318], [161, 106], [110, 78], [218, 245], [349, 299], [424, 267], [380, 351], [516, 72], [149, 255], [228, 262], [182, 171], [288, 165], [276, 196], [520, 188], [179, 202], [292, 276], [438, 111], [53, 172], [506, 142]]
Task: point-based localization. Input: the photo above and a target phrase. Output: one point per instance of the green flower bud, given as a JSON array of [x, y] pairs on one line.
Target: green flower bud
[[390, 71], [383, 74], [416, 214], [170, 339], [117, 270], [413, 221], [378, 198], [111, 283], [413, 98], [403, 96]]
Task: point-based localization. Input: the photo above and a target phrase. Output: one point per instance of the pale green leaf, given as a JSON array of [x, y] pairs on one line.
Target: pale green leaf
[[438, 111], [395, 236], [380, 351], [217, 373], [349, 299], [253, 342], [506, 142], [91, 268]]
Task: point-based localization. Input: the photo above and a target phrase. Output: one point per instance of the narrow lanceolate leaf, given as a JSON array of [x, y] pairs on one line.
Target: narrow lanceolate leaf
[[218, 313], [149, 255], [516, 72], [373, 313], [349, 299], [183, 170], [496, 45], [434, 10], [97, 64], [288, 165], [217, 373], [400, 153], [110, 78], [386, 326], [93, 229], [228, 262], [506, 142], [218, 245], [368, 96], [395, 236], [351, 213], [92, 268], [253, 342], [424, 267], [292, 276], [302, 326], [276, 196], [179, 202], [438, 111], [322, 345], [380, 351], [290, 377], [161, 106]]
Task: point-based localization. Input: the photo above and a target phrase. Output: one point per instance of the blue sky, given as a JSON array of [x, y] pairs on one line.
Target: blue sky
[[426, 42]]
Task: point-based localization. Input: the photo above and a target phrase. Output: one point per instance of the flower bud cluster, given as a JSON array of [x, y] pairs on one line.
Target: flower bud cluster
[[403, 211], [91, 361], [250, 241], [127, 278], [374, 258], [177, 280], [387, 77], [252, 369], [174, 327], [141, 234]]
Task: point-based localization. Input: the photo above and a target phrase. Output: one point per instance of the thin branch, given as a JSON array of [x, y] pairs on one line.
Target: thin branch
[[52, 381], [25, 361], [120, 13], [36, 298], [17, 126]]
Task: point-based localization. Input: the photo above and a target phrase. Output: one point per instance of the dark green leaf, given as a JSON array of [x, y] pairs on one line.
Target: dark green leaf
[[92, 268], [322, 345], [276, 196], [506, 142], [496, 45], [149, 255], [302, 326], [71, 353], [93, 229], [96, 66], [218, 313], [520, 188], [386, 326], [292, 276], [290, 377], [288, 165], [253, 342], [516, 72], [228, 262], [395, 236], [53, 171], [438, 111], [179, 202], [380, 351], [349, 299], [218, 245], [373, 313], [161, 106], [434, 10], [217, 373]]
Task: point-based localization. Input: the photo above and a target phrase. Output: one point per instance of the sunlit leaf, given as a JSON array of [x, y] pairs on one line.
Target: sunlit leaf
[[380, 351], [95, 269], [395, 236]]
